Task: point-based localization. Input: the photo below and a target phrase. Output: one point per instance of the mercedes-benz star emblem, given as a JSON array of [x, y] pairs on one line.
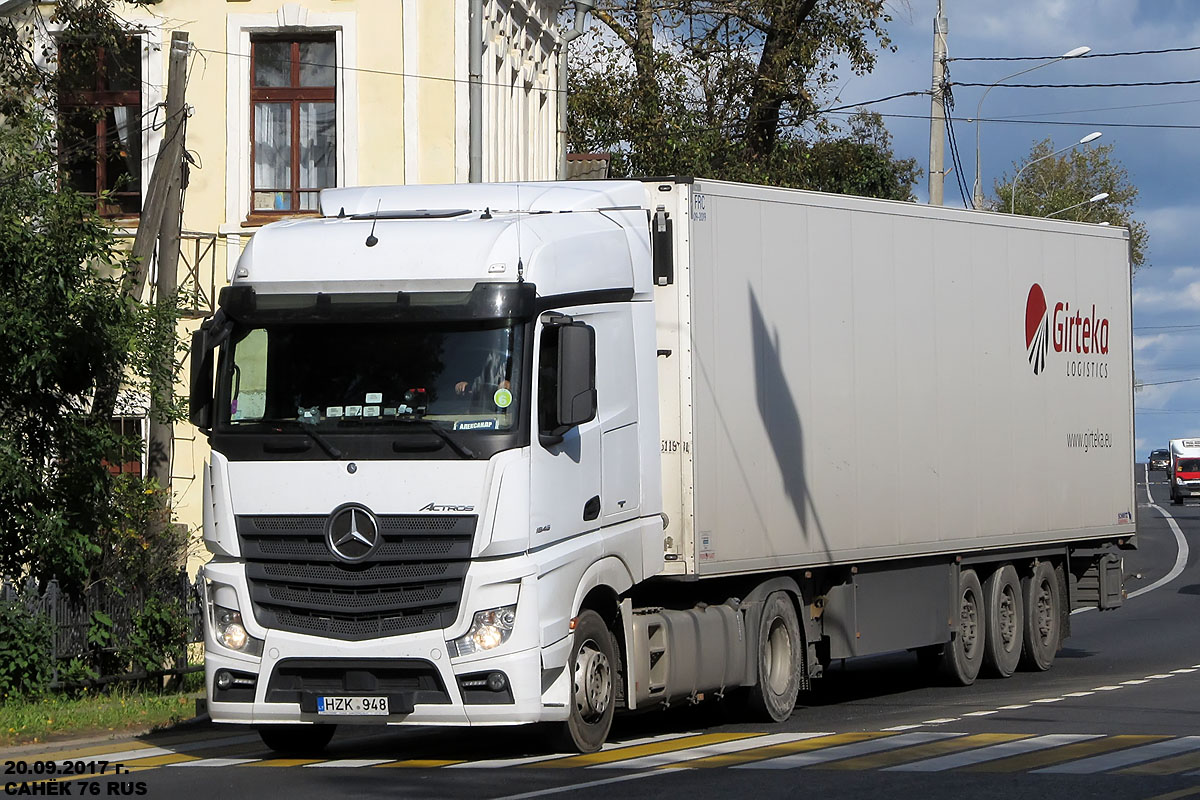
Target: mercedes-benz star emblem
[[352, 533]]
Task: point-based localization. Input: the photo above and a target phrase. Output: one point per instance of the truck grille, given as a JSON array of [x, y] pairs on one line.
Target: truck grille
[[411, 583]]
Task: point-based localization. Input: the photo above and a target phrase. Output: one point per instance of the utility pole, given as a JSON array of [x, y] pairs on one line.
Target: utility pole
[[162, 222], [937, 110]]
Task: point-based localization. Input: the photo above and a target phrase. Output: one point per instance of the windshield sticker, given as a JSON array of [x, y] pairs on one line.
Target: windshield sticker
[[374, 397], [389, 411], [333, 412], [309, 415], [370, 411], [502, 398], [353, 411], [475, 425]]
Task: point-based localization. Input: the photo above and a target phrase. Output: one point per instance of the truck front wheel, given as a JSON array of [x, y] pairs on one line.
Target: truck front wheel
[[773, 698], [593, 668], [300, 740], [963, 654]]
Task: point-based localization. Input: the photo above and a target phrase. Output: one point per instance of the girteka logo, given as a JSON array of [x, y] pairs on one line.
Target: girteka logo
[[1037, 328], [1073, 333]]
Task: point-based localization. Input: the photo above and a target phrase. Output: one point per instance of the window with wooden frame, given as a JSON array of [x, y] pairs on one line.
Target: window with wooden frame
[[293, 135], [100, 122]]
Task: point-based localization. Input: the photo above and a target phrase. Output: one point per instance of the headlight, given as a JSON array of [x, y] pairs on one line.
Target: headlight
[[489, 629], [230, 632]]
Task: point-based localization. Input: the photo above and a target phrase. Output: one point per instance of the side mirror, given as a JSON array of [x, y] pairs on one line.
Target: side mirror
[[200, 398], [567, 383]]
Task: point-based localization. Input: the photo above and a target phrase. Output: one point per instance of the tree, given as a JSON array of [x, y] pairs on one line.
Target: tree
[[66, 328], [730, 90], [1060, 182]]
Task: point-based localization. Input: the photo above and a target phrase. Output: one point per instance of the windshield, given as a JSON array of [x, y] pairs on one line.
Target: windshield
[[1188, 465], [347, 377], [1160, 455]]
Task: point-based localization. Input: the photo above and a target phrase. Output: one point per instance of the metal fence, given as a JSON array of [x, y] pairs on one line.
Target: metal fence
[[72, 618]]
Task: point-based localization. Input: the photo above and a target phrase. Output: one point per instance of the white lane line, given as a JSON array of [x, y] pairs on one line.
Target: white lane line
[[980, 713], [1183, 671], [1135, 682], [516, 762], [1013, 707], [215, 762], [993, 753], [1123, 758], [1181, 554], [901, 727], [577, 786], [942, 721], [351, 762], [1078, 694], [683, 756], [849, 750], [1157, 677], [150, 752], [1049, 700]]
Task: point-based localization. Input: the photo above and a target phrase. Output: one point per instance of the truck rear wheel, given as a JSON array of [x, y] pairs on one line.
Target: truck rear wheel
[[300, 740], [1043, 610], [962, 656], [1005, 621], [593, 668], [773, 698]]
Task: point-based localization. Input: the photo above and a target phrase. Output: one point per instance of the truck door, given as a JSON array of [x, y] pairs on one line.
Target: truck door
[[574, 487]]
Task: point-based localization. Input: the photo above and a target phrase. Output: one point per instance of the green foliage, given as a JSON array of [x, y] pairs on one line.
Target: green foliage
[[731, 90], [1049, 184], [159, 635], [26, 663], [67, 330]]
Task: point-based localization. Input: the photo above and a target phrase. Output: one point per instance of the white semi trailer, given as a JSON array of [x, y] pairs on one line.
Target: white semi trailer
[[537, 453]]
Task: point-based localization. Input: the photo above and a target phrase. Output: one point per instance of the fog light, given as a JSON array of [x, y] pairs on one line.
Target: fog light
[[489, 629], [497, 681], [223, 679]]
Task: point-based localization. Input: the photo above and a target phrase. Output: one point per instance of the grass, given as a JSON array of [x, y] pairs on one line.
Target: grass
[[90, 714]]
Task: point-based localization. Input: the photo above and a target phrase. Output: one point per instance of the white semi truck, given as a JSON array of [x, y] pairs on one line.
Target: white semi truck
[[541, 452]]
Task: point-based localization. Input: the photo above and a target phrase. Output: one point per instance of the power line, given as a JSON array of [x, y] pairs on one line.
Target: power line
[[1164, 383], [1011, 121], [1086, 55], [1135, 84]]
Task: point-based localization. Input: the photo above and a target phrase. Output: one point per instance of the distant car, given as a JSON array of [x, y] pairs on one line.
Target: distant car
[[1160, 459]]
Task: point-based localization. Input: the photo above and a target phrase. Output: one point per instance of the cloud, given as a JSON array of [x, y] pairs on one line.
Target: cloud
[[1167, 299]]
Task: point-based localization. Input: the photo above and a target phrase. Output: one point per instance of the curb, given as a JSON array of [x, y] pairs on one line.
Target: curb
[[198, 722]]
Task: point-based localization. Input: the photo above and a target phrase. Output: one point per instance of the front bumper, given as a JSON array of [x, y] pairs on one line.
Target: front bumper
[[424, 683]]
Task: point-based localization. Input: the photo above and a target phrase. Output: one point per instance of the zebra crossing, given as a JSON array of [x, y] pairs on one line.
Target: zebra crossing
[[921, 751]]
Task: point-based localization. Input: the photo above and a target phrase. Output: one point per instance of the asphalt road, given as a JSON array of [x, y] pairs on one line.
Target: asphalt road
[[1118, 716]]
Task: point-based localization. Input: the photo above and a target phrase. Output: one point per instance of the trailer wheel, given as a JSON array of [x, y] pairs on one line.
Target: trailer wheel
[[773, 698], [963, 654], [300, 740], [592, 664], [1043, 609], [1005, 621]]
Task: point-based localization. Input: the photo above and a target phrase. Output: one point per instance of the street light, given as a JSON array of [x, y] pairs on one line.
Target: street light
[[1091, 137], [977, 196], [1093, 199]]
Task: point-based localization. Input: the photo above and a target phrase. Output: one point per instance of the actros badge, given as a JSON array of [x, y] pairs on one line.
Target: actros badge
[[352, 532]]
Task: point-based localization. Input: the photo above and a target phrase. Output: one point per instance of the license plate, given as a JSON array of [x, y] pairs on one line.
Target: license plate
[[356, 706]]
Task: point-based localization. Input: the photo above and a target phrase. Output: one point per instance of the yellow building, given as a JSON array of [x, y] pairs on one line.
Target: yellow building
[[287, 98]]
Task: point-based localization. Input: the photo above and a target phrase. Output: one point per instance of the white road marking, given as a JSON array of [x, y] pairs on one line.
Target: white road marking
[[516, 762], [1183, 671], [1123, 758], [1181, 553], [577, 786], [980, 713], [1134, 682], [150, 752], [1049, 700], [1078, 694], [1157, 677], [683, 756], [351, 762], [215, 762], [993, 753], [1107, 688], [1013, 707], [849, 750], [940, 721], [902, 727]]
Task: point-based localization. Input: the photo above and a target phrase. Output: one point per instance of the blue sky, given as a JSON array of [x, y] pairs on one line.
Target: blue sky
[[1161, 162]]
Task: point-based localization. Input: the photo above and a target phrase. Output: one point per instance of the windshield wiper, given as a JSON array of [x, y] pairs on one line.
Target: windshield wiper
[[437, 430], [324, 443]]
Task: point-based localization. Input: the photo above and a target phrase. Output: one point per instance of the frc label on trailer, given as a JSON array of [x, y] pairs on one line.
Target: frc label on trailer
[[1074, 331]]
